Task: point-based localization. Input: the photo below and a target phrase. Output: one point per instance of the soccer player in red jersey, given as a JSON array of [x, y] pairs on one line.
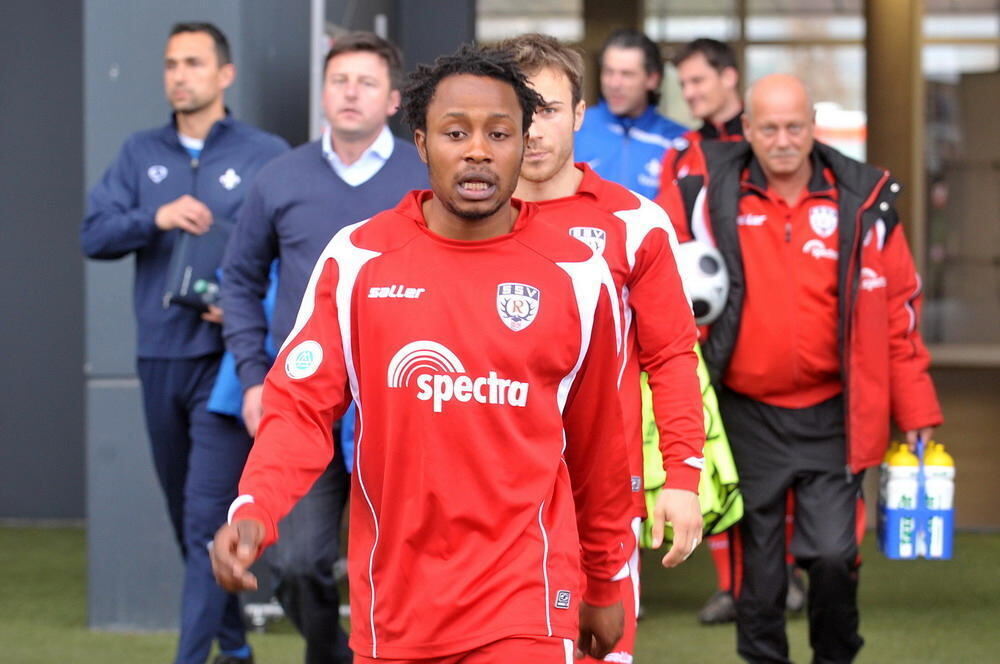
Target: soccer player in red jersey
[[634, 237], [479, 346]]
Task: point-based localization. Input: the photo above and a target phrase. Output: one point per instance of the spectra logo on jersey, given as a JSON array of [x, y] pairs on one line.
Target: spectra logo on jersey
[[595, 238], [432, 366], [517, 304]]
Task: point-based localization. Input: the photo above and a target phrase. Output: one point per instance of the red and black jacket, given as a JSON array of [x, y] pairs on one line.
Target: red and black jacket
[[683, 171], [884, 363]]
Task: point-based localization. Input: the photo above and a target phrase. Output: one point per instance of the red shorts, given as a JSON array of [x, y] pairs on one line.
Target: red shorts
[[541, 649]]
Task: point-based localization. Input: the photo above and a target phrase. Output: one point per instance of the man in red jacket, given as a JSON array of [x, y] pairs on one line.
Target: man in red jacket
[[816, 348], [634, 237], [709, 78], [479, 346]]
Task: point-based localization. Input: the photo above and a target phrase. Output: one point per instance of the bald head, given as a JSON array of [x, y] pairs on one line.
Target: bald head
[[784, 90], [779, 123]]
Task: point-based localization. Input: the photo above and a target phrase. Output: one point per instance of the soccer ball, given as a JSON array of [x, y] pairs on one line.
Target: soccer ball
[[705, 278]]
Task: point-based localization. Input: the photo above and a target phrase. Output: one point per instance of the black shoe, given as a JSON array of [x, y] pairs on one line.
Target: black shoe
[[223, 658], [795, 600], [720, 608]]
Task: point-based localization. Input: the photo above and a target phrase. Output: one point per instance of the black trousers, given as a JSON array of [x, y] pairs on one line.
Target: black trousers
[[303, 560], [777, 449]]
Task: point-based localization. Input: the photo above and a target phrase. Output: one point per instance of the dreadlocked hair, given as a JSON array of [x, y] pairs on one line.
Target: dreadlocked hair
[[474, 61]]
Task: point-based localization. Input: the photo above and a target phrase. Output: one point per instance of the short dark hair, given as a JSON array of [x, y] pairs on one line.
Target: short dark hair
[[651, 57], [719, 55], [534, 52], [474, 61], [368, 42], [221, 43]]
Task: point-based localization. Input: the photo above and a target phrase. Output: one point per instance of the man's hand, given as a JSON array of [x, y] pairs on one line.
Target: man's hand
[[925, 434], [213, 315], [186, 213], [233, 551], [253, 408], [600, 629], [682, 509]]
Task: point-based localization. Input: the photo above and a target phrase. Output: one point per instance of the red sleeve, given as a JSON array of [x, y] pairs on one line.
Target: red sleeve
[[667, 336], [597, 463], [914, 400], [305, 391]]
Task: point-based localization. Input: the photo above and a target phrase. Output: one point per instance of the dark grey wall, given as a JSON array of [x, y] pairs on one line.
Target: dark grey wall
[[41, 273]]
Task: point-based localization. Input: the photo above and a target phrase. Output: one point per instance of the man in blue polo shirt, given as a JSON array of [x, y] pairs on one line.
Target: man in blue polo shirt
[[295, 206], [623, 138], [182, 178]]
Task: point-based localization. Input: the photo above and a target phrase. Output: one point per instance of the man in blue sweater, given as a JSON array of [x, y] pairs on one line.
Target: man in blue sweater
[[182, 178], [294, 208], [623, 138]]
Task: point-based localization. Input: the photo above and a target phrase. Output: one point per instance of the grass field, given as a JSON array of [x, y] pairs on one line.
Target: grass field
[[912, 612]]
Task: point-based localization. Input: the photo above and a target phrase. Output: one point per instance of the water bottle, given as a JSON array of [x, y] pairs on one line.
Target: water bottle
[[899, 499], [939, 489]]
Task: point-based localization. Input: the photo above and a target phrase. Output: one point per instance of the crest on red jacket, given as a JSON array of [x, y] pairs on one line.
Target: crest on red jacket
[[823, 219]]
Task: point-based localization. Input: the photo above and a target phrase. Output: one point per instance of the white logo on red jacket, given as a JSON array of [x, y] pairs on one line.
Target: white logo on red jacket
[[823, 219], [751, 219], [517, 304], [870, 279], [595, 238], [817, 249], [433, 366]]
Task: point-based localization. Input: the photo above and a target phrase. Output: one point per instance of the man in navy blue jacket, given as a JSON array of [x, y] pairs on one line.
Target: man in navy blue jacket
[[295, 206], [182, 178]]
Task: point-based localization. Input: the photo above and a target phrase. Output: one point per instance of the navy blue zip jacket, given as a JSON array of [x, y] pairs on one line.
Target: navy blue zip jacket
[[153, 169]]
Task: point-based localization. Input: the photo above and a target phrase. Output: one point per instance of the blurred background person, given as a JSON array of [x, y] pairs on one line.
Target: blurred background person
[[183, 178], [296, 205], [623, 138]]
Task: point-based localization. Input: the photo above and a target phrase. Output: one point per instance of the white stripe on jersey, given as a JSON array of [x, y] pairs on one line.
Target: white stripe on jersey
[[587, 279], [699, 224], [350, 259], [640, 221]]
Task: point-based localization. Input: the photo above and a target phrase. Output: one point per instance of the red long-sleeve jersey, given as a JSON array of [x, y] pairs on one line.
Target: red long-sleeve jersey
[[484, 374], [636, 239]]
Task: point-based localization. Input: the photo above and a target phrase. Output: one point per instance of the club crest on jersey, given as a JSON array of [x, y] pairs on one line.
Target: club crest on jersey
[[157, 173], [823, 219], [595, 238], [517, 305]]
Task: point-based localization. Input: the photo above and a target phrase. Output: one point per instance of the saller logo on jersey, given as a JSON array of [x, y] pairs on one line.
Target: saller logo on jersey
[[433, 367], [517, 305], [595, 238]]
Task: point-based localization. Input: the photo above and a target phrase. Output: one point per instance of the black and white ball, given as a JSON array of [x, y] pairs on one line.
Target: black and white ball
[[705, 278]]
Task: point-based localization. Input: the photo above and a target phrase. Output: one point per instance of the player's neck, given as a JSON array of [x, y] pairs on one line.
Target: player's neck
[[564, 183], [442, 221], [199, 123]]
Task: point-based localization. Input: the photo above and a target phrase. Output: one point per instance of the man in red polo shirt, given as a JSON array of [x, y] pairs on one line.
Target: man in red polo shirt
[[635, 238], [817, 347]]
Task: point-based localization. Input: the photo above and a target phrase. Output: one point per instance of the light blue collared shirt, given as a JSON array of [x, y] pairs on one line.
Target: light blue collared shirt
[[370, 162]]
